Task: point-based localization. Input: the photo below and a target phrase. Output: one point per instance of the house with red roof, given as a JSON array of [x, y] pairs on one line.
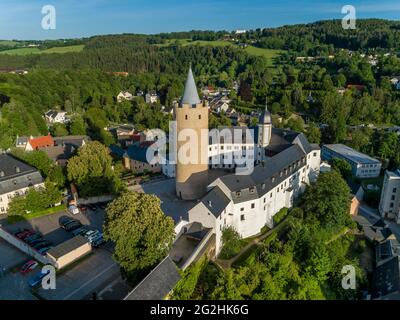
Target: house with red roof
[[39, 143]]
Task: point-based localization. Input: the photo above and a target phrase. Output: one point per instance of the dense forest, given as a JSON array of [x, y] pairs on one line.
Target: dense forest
[[80, 82]]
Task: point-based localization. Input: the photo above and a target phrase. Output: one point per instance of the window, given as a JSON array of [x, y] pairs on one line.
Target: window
[[393, 197], [242, 209], [238, 194], [242, 218], [253, 205], [394, 190], [199, 116], [186, 117]]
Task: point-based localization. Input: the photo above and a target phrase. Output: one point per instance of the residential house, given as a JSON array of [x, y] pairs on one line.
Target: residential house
[[16, 177], [142, 157], [124, 95], [386, 280], [53, 117], [39, 143], [151, 97]]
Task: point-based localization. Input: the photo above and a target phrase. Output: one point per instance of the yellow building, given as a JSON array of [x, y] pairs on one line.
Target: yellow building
[[191, 113]]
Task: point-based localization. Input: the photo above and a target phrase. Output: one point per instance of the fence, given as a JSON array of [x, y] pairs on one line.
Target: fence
[[91, 200], [22, 246]]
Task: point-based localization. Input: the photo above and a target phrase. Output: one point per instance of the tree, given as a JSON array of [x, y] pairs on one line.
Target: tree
[[59, 130], [77, 126], [91, 170], [342, 166], [313, 134], [328, 201], [142, 233], [231, 242]]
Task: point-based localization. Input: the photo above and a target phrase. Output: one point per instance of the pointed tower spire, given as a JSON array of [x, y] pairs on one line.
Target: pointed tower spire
[[190, 96], [265, 117]]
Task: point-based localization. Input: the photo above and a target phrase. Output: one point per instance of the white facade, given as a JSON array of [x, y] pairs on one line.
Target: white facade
[[124, 95], [56, 117], [151, 98], [389, 206], [6, 198], [249, 217]]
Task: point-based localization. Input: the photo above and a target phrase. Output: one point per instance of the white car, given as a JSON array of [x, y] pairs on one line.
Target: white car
[[73, 209]]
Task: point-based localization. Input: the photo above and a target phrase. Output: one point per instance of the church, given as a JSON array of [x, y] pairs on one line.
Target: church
[[284, 163]]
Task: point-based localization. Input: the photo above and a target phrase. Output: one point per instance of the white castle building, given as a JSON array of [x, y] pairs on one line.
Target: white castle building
[[284, 163]]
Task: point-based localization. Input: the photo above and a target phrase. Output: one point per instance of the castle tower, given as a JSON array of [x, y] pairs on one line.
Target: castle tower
[[264, 132], [191, 113]]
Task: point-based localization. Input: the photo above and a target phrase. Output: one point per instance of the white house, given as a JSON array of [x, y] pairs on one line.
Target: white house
[[56, 116], [124, 95], [151, 97], [16, 178]]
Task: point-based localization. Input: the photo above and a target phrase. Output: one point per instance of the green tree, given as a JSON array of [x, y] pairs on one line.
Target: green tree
[[328, 201], [142, 233], [91, 170], [342, 166]]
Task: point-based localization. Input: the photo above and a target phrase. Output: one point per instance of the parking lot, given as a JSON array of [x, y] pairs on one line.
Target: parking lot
[[77, 281]]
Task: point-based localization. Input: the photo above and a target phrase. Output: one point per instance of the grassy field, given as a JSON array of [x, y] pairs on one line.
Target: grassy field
[[76, 48], [8, 43], [21, 51], [26, 51], [269, 54]]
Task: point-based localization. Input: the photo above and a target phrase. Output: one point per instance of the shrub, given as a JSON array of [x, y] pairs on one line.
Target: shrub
[[280, 215], [231, 243]]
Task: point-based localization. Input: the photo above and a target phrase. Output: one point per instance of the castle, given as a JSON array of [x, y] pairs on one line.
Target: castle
[[284, 163]]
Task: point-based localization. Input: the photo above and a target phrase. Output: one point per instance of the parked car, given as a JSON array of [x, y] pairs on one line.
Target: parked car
[[29, 266], [25, 234], [33, 237], [34, 242], [72, 226], [73, 209], [44, 250], [91, 234], [103, 205], [92, 207], [83, 208], [37, 279], [41, 245], [64, 220], [80, 231], [98, 242]]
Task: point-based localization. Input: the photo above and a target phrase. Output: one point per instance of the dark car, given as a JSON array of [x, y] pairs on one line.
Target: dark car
[[33, 237], [25, 234], [65, 220], [72, 226], [92, 207], [80, 231], [44, 250], [41, 244], [34, 242], [36, 280]]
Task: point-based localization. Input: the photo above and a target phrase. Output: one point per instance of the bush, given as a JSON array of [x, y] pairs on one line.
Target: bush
[[280, 215], [231, 242]]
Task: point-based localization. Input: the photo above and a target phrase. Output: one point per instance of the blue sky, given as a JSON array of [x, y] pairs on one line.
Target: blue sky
[[21, 19]]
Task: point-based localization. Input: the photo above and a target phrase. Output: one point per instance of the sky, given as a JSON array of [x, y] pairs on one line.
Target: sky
[[22, 19]]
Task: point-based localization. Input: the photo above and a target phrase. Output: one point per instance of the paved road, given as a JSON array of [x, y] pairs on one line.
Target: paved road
[[14, 286]]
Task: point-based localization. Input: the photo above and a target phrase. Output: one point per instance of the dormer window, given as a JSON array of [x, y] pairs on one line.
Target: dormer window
[[238, 194], [252, 190]]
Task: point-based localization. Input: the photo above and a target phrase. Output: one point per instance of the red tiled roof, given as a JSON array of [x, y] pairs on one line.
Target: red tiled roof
[[41, 142], [356, 86]]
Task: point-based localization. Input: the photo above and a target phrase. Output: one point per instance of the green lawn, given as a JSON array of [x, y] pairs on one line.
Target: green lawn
[[30, 216], [269, 54], [21, 51], [26, 51], [66, 49], [8, 43]]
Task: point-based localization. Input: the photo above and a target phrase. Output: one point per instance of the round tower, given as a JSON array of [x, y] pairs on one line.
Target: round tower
[[191, 113], [264, 133]]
